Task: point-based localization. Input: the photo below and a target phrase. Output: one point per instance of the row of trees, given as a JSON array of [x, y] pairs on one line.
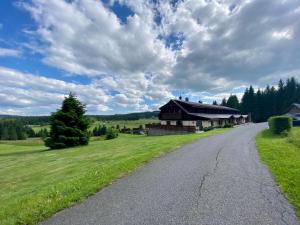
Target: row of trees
[[262, 104], [11, 129], [42, 133]]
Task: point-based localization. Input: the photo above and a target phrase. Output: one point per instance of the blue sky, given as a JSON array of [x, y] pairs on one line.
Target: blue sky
[[123, 56]]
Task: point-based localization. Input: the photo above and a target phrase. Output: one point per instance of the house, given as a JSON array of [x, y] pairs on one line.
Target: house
[[294, 112], [179, 116]]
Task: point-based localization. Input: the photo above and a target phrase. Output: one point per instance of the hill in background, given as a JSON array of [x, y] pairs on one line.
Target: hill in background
[[41, 120]]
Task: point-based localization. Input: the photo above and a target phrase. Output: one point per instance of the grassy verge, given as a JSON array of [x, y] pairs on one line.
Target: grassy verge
[[36, 182], [282, 156]]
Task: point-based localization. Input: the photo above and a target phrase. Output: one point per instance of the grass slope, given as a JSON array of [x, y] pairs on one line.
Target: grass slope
[[282, 156], [35, 182]]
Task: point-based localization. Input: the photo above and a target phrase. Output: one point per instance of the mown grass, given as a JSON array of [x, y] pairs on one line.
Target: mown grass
[[36, 182], [282, 156]]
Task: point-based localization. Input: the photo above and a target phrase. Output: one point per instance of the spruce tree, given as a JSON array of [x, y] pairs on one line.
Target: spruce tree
[[233, 102], [69, 125]]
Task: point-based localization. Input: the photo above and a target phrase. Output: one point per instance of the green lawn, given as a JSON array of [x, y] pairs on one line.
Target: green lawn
[[282, 156], [36, 182]]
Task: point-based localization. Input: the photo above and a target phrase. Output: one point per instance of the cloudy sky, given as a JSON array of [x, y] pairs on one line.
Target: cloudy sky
[[123, 56]]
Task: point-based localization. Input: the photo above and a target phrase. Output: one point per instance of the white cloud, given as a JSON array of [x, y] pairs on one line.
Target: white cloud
[[6, 52], [32, 94], [223, 45], [85, 37], [284, 34]]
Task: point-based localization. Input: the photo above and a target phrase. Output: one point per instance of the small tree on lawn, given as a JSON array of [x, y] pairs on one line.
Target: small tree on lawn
[[69, 125]]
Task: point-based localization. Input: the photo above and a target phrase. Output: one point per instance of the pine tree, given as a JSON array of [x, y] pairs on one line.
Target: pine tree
[[69, 125], [270, 101], [233, 102], [215, 102], [224, 102]]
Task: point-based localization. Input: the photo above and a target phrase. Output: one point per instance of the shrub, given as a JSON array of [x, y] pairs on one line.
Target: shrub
[[207, 128], [228, 125], [278, 124], [111, 133]]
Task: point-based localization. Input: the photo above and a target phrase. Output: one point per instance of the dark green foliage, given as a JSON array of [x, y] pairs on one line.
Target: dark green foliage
[[227, 126], [11, 129], [29, 120], [233, 102], [208, 129], [100, 130], [43, 133], [30, 132], [224, 102], [111, 133], [215, 102], [279, 124], [44, 120], [69, 125], [263, 104], [129, 116]]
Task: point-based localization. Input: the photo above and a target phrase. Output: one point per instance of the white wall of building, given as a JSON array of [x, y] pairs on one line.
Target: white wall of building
[[163, 122], [173, 123], [206, 123], [189, 123]]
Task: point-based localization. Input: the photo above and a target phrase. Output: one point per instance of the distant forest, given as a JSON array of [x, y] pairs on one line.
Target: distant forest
[[44, 120], [267, 102]]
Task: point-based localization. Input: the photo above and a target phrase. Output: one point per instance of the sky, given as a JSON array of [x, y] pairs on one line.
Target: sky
[[121, 56]]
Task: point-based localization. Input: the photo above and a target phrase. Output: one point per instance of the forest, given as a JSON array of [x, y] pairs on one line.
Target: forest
[[263, 103]]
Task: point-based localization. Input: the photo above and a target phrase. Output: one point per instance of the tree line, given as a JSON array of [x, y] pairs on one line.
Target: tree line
[[12, 129], [263, 103], [44, 120]]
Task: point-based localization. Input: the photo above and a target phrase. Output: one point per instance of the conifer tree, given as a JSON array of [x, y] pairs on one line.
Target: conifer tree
[[69, 125]]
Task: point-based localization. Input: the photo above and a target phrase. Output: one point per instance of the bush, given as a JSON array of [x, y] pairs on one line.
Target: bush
[[228, 126], [207, 128], [278, 124], [111, 133]]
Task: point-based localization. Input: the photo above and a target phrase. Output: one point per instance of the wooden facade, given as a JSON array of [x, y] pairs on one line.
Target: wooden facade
[[183, 117]]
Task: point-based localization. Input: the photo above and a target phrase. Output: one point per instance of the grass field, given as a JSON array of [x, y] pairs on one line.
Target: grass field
[[108, 123], [36, 182], [282, 156]]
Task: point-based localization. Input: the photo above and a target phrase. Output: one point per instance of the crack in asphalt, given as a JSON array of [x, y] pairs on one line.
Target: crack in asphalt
[[208, 174]]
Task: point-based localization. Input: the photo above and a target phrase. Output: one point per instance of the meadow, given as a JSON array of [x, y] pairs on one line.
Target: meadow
[[282, 156], [108, 123], [37, 182]]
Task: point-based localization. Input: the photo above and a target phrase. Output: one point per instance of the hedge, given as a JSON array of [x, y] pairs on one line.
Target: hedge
[[279, 124]]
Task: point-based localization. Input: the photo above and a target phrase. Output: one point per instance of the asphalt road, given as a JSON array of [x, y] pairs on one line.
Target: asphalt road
[[216, 180]]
